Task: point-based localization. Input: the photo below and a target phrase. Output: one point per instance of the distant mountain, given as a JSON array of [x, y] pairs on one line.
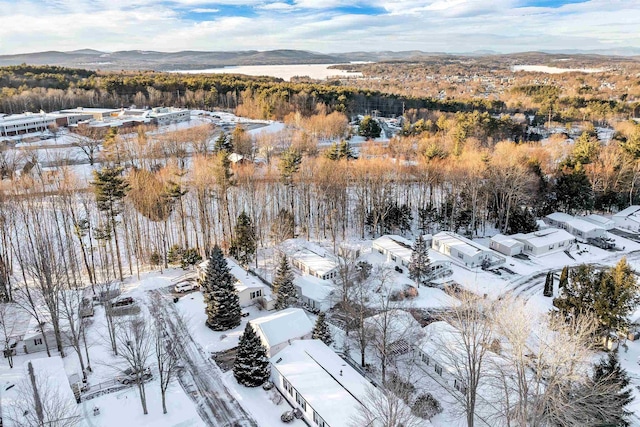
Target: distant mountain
[[165, 61], [199, 60]]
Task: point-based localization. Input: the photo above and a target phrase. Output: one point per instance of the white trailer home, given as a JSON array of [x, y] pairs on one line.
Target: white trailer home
[[506, 245], [319, 383], [579, 227], [628, 219], [543, 242], [318, 294], [278, 330], [310, 258], [398, 250], [464, 250], [604, 222]]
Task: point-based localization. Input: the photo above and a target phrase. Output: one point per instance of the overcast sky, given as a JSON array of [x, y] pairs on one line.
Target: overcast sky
[[318, 25]]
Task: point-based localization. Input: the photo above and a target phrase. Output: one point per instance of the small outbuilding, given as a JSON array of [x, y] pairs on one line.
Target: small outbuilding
[[506, 245]]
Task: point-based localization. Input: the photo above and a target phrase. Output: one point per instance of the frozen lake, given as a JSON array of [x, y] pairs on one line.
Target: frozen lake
[[555, 70], [315, 71]]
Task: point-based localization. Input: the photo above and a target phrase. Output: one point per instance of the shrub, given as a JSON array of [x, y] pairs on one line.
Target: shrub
[[410, 292], [287, 417], [426, 406]]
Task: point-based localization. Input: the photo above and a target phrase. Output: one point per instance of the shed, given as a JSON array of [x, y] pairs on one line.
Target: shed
[[506, 245]]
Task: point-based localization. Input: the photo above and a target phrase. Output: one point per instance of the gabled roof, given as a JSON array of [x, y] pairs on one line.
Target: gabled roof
[[507, 241], [548, 236], [282, 326], [462, 244], [631, 210], [326, 382], [314, 288], [600, 220], [310, 254]]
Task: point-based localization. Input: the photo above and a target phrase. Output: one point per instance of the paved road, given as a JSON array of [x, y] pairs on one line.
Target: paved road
[[201, 378]]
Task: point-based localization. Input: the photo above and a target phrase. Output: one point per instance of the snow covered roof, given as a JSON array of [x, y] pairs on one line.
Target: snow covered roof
[[402, 248], [16, 119], [545, 237], [560, 217], [507, 241], [631, 210], [245, 280], [313, 288], [281, 326], [441, 340], [309, 254], [600, 220], [462, 244], [314, 371]]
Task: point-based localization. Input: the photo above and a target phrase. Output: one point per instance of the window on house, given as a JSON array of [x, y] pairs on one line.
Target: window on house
[[425, 358], [438, 369], [287, 386], [393, 257], [37, 341], [318, 420], [460, 255], [300, 400], [459, 385]]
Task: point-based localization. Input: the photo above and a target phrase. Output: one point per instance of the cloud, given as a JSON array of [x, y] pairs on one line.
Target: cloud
[[325, 26]]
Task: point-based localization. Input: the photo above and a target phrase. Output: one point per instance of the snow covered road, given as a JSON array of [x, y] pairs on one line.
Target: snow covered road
[[201, 378]]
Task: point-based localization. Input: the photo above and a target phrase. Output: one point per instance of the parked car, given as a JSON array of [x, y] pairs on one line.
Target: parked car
[[122, 302], [185, 287], [129, 376]]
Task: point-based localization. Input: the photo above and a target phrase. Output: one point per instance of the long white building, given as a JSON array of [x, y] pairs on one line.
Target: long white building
[[20, 124], [398, 250]]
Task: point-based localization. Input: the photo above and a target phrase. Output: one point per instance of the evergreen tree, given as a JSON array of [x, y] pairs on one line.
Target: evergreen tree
[[223, 305], [321, 330], [564, 277], [251, 367], [243, 244], [369, 128], [609, 372], [521, 221], [110, 187], [419, 266], [548, 285], [222, 144], [283, 286]]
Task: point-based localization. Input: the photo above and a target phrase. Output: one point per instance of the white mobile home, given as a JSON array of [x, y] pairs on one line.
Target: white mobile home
[[278, 330], [250, 289], [398, 250], [316, 293], [545, 241], [464, 250], [310, 258], [628, 219], [579, 227], [321, 385], [506, 245], [604, 222]]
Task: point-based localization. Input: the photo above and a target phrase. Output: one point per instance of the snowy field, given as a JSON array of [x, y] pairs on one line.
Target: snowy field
[[286, 72]]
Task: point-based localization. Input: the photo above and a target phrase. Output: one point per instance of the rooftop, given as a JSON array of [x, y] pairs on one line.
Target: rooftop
[[545, 237], [314, 288], [309, 254], [283, 325], [460, 243], [403, 248], [631, 210], [313, 369]]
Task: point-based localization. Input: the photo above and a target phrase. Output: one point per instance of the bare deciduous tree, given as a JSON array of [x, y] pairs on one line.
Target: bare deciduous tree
[[7, 328], [381, 407]]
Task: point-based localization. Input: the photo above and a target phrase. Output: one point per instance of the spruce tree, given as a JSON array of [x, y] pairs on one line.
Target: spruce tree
[[222, 143], [283, 286], [223, 305], [251, 367], [243, 244], [609, 372], [321, 330], [419, 266]]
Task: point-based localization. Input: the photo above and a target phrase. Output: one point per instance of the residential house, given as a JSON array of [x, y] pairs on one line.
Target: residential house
[[506, 245], [464, 250], [604, 222], [316, 293], [543, 242], [310, 258], [396, 329], [280, 329], [628, 219], [322, 386], [582, 229], [398, 250], [251, 290]]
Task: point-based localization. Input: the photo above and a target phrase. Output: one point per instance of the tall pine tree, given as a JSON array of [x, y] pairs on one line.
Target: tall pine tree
[[243, 244], [548, 285], [321, 330], [609, 372], [222, 143], [223, 305], [283, 286], [419, 266], [251, 367]]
